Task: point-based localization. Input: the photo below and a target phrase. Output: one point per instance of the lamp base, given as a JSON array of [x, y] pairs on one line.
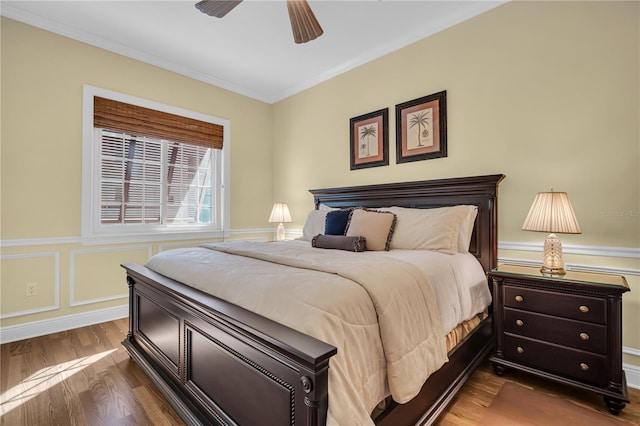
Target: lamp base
[[552, 271], [552, 263], [280, 232]]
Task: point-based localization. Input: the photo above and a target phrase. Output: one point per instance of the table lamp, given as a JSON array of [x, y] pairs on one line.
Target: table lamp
[[279, 214], [552, 212]]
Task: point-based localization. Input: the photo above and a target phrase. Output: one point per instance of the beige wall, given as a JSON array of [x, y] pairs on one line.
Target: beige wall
[[42, 79], [546, 93]]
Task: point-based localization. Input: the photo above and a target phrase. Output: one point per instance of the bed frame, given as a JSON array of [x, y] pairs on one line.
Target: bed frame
[[217, 363]]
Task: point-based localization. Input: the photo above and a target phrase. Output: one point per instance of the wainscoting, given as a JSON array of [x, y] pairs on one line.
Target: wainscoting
[[70, 294]]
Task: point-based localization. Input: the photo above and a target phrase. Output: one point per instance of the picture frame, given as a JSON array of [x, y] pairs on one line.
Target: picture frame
[[421, 128], [369, 139]]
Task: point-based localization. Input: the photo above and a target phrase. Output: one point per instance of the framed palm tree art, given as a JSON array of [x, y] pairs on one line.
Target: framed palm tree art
[[369, 139], [421, 128]]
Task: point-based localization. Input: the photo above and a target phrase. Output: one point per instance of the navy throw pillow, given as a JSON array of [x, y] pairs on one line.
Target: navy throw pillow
[[336, 222]]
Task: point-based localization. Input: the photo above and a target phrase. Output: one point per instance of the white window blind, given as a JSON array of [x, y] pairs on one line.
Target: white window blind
[[150, 181], [131, 179]]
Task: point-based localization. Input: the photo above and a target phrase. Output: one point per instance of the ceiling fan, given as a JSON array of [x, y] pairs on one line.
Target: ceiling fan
[[304, 24]]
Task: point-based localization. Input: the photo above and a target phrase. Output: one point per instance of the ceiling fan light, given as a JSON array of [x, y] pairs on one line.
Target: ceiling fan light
[[304, 24]]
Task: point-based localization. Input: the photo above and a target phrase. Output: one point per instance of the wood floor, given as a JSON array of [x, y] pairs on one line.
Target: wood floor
[[84, 377], [476, 395]]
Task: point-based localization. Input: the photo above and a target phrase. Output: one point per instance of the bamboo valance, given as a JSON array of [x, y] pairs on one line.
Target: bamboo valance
[[139, 121]]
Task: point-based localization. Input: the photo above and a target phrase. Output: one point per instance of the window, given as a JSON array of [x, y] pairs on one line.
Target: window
[[138, 186], [150, 173]]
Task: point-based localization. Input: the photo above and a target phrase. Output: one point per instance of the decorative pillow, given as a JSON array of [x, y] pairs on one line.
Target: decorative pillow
[[314, 224], [375, 226], [466, 229], [336, 222], [429, 229], [340, 242], [326, 208]]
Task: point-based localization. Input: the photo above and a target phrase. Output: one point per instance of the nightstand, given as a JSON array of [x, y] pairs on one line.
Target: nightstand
[[564, 328]]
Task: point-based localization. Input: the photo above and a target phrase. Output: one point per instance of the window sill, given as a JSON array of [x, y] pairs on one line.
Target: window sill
[[150, 237]]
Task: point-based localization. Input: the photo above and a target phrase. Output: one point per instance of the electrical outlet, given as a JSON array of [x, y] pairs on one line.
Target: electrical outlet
[[31, 289]]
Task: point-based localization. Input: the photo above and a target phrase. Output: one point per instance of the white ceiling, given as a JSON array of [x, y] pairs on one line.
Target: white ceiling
[[251, 50]]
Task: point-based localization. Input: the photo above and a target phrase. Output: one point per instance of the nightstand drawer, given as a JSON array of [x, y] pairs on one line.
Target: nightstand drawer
[[575, 334], [581, 308], [579, 365]]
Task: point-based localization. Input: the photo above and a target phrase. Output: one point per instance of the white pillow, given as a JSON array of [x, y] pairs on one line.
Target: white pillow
[[326, 208], [466, 229], [314, 224], [430, 229]]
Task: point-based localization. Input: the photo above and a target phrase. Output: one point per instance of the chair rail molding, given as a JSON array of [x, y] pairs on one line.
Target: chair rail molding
[[622, 252]]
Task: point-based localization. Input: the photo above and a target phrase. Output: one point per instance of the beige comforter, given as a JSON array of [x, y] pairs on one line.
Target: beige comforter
[[380, 312]]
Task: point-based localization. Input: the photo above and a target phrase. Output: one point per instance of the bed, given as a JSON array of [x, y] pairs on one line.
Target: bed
[[219, 363]]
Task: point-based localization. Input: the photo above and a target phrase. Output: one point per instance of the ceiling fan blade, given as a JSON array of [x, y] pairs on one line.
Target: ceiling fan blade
[[304, 24], [217, 8]]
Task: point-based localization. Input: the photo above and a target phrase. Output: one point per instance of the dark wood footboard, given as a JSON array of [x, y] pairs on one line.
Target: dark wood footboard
[[217, 363]]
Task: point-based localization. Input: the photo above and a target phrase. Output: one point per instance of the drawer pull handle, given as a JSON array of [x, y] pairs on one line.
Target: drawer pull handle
[[584, 336], [584, 309], [519, 323], [584, 367], [520, 350], [519, 298]]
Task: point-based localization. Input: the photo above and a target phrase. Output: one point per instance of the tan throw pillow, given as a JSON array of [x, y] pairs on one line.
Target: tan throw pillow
[[376, 227]]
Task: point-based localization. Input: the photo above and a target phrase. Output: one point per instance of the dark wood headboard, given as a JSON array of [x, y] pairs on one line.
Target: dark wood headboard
[[481, 191]]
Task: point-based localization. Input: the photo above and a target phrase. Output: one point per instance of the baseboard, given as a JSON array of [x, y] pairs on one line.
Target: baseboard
[[633, 375], [13, 333]]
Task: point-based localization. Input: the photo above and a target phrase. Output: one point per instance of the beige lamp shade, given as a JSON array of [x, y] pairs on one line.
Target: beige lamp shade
[[279, 214], [552, 212]]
